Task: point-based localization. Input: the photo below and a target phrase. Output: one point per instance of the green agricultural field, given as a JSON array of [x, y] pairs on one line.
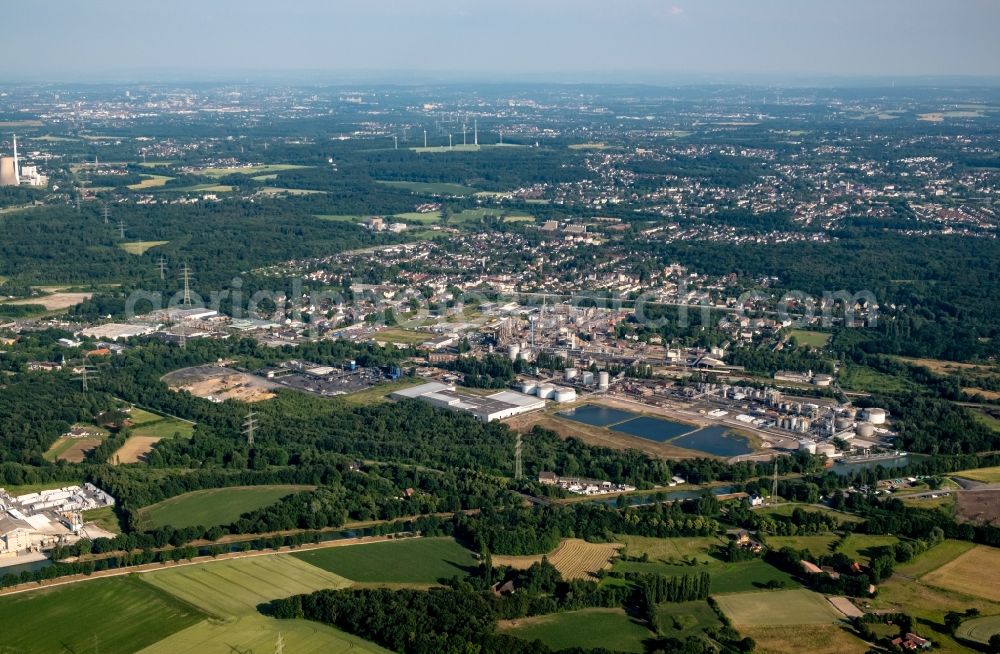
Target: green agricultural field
[[987, 420], [231, 591], [979, 630], [257, 633], [409, 561], [416, 216], [985, 475], [379, 393], [140, 247], [788, 508], [859, 546], [164, 428], [431, 188], [934, 558], [611, 629], [810, 338], [150, 181], [776, 608], [235, 587], [141, 416], [665, 550], [104, 615], [214, 506], [250, 170], [726, 577], [683, 619]]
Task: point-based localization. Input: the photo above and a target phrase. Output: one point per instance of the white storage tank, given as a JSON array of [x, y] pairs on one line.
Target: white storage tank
[[545, 391], [865, 430], [570, 374], [528, 387], [843, 423], [826, 448], [875, 416], [587, 378], [563, 394], [513, 351], [603, 380], [807, 446]]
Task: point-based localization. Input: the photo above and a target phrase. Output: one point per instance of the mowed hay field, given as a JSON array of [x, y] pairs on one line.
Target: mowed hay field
[[976, 572], [979, 630], [122, 614], [140, 247], [574, 558], [73, 450], [611, 629], [778, 608], [231, 590], [215, 506], [985, 475], [135, 449], [816, 639], [405, 561], [234, 587]]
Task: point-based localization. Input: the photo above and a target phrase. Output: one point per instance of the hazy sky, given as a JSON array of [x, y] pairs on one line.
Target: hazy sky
[[66, 39]]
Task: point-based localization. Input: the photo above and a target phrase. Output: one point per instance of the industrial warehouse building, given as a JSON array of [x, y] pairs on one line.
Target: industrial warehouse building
[[483, 408]]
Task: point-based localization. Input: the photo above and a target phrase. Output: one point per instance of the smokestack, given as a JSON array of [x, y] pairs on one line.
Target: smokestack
[[17, 168], [475, 132]]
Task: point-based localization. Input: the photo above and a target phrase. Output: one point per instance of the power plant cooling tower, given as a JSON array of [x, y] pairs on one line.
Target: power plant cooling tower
[[8, 171]]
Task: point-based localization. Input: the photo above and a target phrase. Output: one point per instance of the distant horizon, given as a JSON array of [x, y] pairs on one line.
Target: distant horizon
[[403, 78], [519, 39]]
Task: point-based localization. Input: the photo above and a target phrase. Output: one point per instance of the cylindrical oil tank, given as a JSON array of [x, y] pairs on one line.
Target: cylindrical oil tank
[[843, 423], [570, 373], [875, 416], [563, 394], [603, 380], [865, 430], [528, 387], [545, 391], [807, 446], [826, 448], [513, 350]]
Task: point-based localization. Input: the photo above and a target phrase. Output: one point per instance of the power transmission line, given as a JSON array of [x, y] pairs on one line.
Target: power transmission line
[[249, 427]]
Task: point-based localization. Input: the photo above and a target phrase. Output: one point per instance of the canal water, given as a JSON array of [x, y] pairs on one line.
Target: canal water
[[716, 440]]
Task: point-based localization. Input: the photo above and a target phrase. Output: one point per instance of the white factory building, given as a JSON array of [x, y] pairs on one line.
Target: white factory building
[[497, 406]]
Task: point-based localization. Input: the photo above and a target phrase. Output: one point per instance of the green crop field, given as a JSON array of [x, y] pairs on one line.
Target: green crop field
[[809, 338], [985, 475], [341, 218], [788, 508], [231, 591], [164, 428], [140, 247], [140, 416], [979, 630], [683, 619], [414, 561], [236, 586], [775, 608], [590, 628], [105, 518], [379, 392], [105, 615], [257, 633], [215, 506], [859, 546], [431, 188], [726, 577], [934, 558]]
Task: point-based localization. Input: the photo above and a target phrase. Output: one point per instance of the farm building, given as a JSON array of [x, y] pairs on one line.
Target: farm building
[[483, 408]]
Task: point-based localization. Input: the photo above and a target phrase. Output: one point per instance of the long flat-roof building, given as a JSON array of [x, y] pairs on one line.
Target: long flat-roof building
[[488, 408]]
